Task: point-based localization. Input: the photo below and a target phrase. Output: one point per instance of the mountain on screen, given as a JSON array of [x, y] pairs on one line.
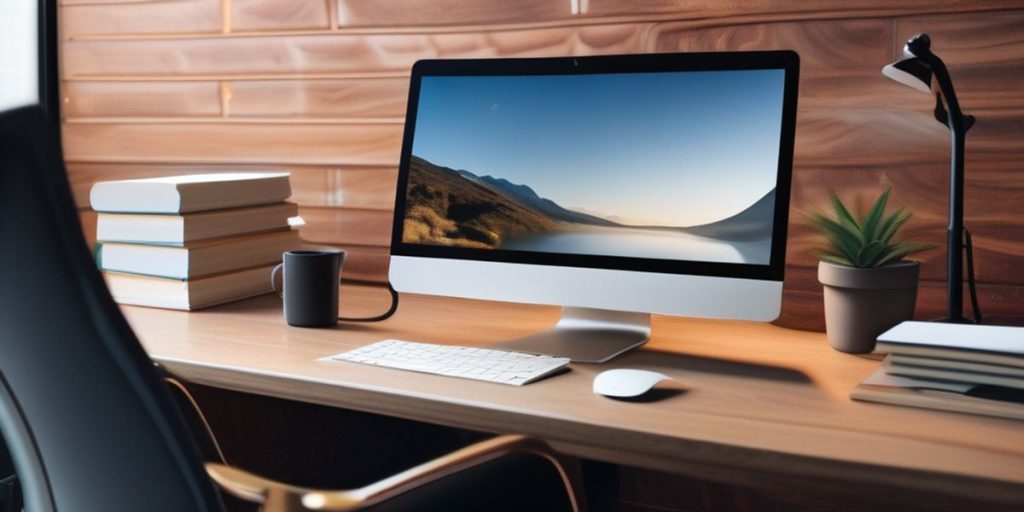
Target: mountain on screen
[[460, 208], [527, 197]]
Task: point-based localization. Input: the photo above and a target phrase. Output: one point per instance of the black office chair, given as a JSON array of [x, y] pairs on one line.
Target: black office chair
[[90, 424]]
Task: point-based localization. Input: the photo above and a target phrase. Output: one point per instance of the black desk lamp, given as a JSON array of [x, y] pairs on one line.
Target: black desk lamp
[[916, 70]]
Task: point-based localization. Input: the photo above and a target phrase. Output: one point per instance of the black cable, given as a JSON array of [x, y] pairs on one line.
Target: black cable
[[387, 314], [969, 247]]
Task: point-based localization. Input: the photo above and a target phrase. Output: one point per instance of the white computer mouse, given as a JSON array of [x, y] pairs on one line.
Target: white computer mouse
[[624, 383]]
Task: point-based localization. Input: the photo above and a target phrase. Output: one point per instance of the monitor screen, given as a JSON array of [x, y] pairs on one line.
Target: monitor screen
[[664, 168]]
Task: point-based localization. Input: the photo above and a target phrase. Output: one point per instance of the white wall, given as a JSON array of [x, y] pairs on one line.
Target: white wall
[[19, 74]]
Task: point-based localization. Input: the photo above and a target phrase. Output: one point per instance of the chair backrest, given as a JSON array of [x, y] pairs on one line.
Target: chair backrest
[[87, 419]]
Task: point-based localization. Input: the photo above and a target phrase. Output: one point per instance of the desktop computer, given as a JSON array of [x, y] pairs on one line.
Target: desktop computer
[[613, 186]]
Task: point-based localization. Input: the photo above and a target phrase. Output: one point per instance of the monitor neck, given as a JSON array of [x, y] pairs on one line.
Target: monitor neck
[[588, 335]]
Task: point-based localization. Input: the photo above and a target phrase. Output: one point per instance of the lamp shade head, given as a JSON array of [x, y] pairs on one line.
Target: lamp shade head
[[911, 72], [918, 46]]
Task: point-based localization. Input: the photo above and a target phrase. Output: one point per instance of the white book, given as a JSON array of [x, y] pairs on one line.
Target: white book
[[987, 344], [957, 366], [188, 295], [884, 388], [992, 375], [190, 193], [178, 229], [198, 259]]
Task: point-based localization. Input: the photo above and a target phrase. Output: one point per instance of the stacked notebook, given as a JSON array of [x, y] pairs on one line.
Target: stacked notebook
[[188, 242], [976, 369]]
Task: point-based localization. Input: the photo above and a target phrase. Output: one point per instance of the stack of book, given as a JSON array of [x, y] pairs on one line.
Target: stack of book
[[189, 242], [975, 369]]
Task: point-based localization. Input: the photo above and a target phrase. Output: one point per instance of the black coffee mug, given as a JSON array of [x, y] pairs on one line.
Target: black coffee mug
[[310, 284]]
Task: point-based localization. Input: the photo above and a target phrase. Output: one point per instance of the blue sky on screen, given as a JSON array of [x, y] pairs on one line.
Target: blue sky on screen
[[677, 149]]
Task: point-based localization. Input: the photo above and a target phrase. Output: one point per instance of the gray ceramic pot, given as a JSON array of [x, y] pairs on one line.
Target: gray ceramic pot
[[861, 303]]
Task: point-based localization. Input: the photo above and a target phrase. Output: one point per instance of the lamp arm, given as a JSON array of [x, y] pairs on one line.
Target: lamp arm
[[958, 125], [956, 120]]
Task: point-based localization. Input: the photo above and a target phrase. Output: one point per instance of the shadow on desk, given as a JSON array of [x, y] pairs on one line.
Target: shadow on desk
[[654, 359]]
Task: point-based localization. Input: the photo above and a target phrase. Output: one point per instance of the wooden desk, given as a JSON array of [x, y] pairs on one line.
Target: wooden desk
[[764, 406]]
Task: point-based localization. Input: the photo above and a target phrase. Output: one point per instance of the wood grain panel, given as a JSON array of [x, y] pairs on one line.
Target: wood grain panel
[[364, 264], [270, 15], [358, 98], [872, 137], [88, 220], [309, 185], [467, 13], [984, 53], [353, 187], [823, 137], [471, 14], [332, 54], [702, 9], [101, 2], [149, 17], [994, 198], [366, 188], [843, 59], [838, 59], [141, 99], [346, 226], [825, 47], [867, 89], [402, 13], [802, 306], [234, 143]]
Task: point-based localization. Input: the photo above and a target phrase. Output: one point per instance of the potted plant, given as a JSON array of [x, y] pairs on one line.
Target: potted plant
[[869, 285]]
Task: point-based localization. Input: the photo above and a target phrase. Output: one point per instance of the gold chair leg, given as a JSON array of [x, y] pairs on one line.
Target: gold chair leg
[[282, 500], [279, 497]]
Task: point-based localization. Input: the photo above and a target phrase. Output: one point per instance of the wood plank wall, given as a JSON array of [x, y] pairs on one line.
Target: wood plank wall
[[318, 87]]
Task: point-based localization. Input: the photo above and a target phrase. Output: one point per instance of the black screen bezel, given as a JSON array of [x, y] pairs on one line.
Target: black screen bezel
[[787, 61], [48, 68]]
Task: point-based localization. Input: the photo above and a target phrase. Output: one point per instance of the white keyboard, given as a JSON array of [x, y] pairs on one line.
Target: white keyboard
[[514, 368]]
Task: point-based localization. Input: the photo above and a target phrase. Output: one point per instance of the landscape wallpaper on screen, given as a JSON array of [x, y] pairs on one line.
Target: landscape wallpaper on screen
[[677, 166]]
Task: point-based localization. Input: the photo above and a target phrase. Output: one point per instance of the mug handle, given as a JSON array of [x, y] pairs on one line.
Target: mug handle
[[273, 280], [341, 270]]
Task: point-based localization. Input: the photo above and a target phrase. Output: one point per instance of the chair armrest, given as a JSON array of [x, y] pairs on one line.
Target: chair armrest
[[279, 497]]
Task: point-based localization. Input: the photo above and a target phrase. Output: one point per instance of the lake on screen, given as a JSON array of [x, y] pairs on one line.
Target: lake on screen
[[643, 243]]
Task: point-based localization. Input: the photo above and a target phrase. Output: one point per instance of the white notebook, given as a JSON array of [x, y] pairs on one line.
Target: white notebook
[[178, 229], [198, 259], [967, 342], [190, 193]]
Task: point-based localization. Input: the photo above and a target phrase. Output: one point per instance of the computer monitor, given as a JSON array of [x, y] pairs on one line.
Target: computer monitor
[[614, 186]]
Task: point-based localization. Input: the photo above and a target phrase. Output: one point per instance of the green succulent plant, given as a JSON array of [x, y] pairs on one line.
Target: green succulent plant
[[866, 242]]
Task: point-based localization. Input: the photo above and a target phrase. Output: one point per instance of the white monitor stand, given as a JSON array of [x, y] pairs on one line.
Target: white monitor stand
[[587, 335]]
